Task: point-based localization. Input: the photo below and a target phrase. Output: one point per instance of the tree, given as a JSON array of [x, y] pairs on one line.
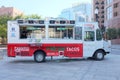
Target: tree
[[3, 33], [5, 18], [112, 33], [118, 32], [32, 16], [18, 17], [3, 27]]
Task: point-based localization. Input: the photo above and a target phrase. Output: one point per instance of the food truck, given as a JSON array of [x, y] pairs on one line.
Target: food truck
[[56, 37]]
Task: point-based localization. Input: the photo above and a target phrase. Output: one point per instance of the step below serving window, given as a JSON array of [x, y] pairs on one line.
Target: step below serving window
[[60, 32]]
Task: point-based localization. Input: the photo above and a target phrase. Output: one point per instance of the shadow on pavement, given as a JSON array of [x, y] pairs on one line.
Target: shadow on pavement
[[21, 61], [48, 60]]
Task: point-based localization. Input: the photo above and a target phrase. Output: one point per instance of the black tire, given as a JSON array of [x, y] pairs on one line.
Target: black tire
[[99, 55], [39, 56]]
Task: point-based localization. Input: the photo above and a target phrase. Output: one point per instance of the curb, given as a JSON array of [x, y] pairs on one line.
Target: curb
[[3, 48], [115, 47]]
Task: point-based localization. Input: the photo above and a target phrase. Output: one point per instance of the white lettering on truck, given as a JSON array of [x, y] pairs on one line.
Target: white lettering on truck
[[19, 49], [73, 49]]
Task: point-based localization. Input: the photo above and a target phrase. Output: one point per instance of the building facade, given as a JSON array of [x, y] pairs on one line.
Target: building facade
[[112, 11], [67, 14], [11, 11], [99, 15], [79, 12], [112, 16]]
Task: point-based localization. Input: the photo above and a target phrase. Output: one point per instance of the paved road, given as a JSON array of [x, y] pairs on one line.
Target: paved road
[[3, 52], [20, 68], [116, 49]]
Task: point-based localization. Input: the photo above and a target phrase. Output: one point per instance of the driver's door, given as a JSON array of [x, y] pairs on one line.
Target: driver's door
[[89, 43]]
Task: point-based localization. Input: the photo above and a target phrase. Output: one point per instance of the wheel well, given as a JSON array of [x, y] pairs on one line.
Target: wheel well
[[99, 50], [41, 51]]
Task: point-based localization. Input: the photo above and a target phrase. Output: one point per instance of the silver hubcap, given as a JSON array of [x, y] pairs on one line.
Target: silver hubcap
[[39, 57], [99, 55]]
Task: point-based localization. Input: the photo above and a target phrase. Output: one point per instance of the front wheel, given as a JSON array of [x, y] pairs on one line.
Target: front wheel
[[99, 55], [39, 57]]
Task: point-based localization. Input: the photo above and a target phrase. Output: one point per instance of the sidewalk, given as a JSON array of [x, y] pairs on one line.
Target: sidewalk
[[3, 46], [116, 46]]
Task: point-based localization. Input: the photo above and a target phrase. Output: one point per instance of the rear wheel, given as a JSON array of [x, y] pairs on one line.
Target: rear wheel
[[39, 56], [99, 55]]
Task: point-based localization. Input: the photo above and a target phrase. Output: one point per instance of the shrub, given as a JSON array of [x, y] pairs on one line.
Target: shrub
[[118, 32], [112, 33]]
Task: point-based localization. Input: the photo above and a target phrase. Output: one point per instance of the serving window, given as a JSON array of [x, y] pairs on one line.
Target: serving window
[[31, 31], [60, 32]]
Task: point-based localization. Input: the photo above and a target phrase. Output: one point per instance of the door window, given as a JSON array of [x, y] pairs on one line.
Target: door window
[[89, 36]]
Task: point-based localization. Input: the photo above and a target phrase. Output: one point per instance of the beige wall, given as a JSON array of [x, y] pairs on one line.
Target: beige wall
[[10, 11]]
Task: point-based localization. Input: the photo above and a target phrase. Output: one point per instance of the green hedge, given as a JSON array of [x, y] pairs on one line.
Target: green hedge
[[113, 33], [118, 32]]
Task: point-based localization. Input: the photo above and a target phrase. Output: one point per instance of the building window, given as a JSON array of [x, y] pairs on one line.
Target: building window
[[115, 14], [102, 12], [97, 3], [102, 21], [102, 2], [97, 7], [102, 16], [115, 5], [109, 1], [102, 7], [109, 14]]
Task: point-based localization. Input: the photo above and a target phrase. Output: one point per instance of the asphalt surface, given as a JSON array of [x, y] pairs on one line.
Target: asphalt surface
[[20, 68]]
